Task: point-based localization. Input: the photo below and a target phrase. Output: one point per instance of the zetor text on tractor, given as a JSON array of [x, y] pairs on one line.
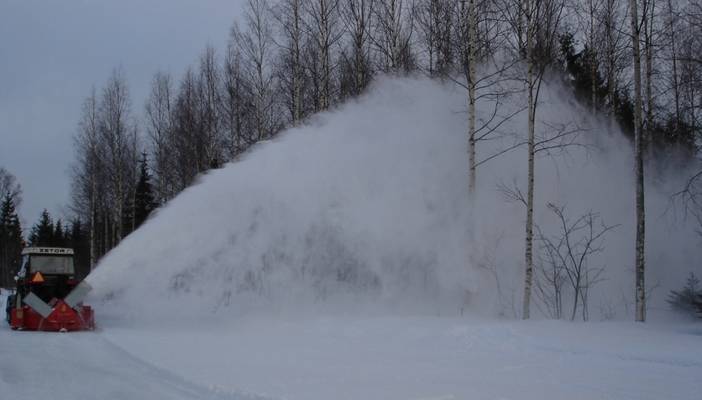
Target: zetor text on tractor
[[48, 297]]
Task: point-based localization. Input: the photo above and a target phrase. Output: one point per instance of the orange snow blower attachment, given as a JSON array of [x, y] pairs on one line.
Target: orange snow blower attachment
[[48, 297]]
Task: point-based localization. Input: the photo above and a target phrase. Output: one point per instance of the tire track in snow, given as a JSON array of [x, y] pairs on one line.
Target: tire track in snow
[[83, 365]]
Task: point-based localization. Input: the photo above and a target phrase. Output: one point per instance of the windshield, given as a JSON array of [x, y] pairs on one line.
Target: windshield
[[52, 265]]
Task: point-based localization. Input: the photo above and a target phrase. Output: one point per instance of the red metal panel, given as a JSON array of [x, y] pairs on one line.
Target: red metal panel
[[62, 318]]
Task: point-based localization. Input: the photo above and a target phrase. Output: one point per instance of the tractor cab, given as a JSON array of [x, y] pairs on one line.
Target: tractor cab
[[47, 272], [48, 297]]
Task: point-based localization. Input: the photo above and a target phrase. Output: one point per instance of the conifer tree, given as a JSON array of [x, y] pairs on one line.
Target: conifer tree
[[144, 198], [43, 232], [10, 241], [78, 238], [128, 215], [59, 239], [689, 299]]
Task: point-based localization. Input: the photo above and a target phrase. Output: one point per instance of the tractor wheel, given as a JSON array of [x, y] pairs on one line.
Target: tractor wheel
[[8, 307]]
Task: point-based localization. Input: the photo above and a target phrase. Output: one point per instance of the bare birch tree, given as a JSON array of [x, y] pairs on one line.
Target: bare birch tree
[[9, 187], [236, 104], [613, 21], [672, 32], [211, 141], [356, 16], [255, 45], [289, 15], [435, 21], [540, 21], [87, 171], [479, 33], [187, 132], [159, 128], [104, 173], [392, 35], [638, 168], [470, 29], [322, 26], [118, 133], [649, 30]]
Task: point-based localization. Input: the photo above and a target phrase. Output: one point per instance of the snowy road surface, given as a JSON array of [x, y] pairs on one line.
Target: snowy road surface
[[403, 358], [84, 365]]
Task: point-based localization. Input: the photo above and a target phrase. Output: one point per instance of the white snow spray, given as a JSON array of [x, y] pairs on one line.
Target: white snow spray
[[366, 209]]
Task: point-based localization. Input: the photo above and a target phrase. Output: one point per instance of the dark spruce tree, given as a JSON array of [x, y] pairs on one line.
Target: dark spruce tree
[[128, 216], [11, 241], [577, 66], [670, 140], [79, 239], [46, 233], [144, 202], [59, 238], [43, 231], [689, 299]]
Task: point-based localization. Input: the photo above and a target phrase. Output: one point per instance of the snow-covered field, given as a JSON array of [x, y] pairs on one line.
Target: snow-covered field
[[379, 358], [411, 358], [84, 365]]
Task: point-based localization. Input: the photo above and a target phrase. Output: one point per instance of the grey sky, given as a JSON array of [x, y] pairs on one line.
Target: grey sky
[[53, 51]]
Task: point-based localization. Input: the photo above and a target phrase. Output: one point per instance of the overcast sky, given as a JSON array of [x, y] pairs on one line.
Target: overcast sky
[[53, 51]]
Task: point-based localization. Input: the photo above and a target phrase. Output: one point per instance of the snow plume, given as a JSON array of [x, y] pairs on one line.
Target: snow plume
[[366, 208]]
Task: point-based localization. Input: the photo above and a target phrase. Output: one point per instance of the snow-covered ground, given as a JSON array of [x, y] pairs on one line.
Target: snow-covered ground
[[354, 358], [412, 358], [85, 365]]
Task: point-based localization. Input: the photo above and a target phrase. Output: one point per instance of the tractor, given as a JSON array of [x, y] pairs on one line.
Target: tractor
[[48, 297]]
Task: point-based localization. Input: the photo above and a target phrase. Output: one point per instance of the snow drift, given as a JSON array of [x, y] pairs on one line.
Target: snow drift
[[366, 207]]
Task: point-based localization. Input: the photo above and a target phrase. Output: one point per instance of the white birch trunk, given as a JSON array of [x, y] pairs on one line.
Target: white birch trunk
[[611, 50], [593, 58], [297, 64], [324, 54], [639, 170], [93, 194], [648, 27], [528, 253], [674, 56], [472, 44]]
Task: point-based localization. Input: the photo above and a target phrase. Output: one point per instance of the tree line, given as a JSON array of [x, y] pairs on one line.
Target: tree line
[[46, 232], [636, 62]]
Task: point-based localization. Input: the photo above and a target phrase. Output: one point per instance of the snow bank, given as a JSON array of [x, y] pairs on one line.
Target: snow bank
[[366, 208]]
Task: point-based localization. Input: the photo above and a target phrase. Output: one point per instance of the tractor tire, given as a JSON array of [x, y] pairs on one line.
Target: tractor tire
[[8, 307]]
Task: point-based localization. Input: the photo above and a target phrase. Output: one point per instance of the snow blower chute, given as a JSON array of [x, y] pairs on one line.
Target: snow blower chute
[[48, 297]]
